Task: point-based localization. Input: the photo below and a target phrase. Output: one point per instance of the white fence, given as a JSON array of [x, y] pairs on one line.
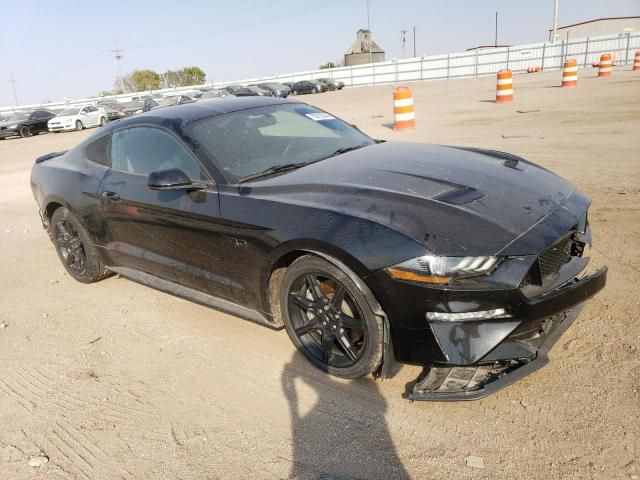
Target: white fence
[[548, 56]]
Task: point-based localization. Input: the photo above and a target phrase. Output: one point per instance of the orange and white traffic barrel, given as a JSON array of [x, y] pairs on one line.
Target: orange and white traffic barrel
[[636, 61], [605, 65], [504, 88], [404, 117], [570, 73]]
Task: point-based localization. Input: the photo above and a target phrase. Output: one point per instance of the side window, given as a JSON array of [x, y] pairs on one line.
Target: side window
[[142, 150], [92, 109], [99, 151]]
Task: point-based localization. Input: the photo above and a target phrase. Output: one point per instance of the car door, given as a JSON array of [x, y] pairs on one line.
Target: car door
[[173, 234], [94, 115], [37, 121]]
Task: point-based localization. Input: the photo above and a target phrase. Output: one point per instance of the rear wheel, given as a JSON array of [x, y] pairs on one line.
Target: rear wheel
[[76, 251], [314, 90], [329, 320], [79, 125], [295, 92]]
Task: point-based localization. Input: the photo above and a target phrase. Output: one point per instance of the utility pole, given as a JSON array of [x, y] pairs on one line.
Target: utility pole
[[118, 54], [12, 81], [403, 39], [369, 28], [555, 20], [496, 37], [414, 42]]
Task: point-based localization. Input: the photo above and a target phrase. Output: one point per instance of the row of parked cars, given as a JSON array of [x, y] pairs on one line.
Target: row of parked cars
[[34, 122]]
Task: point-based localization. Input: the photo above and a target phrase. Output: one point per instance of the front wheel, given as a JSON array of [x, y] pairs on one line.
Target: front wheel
[[295, 92], [103, 121], [76, 251], [329, 320], [314, 90], [25, 131], [79, 125]]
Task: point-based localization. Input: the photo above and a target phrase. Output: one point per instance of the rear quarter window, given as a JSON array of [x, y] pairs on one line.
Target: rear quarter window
[[99, 151]]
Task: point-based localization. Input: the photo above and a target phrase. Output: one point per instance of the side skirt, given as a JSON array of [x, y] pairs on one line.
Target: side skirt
[[194, 295]]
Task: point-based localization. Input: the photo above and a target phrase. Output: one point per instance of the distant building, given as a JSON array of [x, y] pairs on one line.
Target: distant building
[[599, 26], [358, 54]]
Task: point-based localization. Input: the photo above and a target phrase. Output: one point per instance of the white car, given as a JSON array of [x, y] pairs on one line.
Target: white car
[[77, 118]]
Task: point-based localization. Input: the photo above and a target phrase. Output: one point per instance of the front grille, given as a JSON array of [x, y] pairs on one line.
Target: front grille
[[551, 260], [555, 257]]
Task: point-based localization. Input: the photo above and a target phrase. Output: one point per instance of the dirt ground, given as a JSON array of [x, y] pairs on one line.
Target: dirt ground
[[116, 380]]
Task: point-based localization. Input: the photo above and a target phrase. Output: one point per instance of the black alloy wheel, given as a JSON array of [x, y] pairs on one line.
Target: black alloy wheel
[[328, 319], [25, 131], [70, 248], [78, 254], [79, 125]]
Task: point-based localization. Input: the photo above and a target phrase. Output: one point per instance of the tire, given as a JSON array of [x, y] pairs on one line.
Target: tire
[[328, 319], [76, 251], [79, 125], [25, 131], [314, 90], [295, 92], [103, 121]]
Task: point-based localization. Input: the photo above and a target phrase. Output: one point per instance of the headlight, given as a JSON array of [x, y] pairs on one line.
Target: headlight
[[12, 127], [441, 270]]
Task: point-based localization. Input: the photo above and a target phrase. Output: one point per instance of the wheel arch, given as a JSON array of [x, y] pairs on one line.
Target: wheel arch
[[287, 253]]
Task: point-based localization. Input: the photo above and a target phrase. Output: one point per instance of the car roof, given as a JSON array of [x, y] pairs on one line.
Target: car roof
[[191, 112]]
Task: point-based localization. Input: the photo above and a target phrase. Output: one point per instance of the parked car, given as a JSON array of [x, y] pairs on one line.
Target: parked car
[[332, 84], [25, 124], [240, 91], [170, 100], [215, 94], [137, 104], [261, 91], [288, 84], [77, 118], [462, 260], [110, 107], [276, 89], [307, 86]]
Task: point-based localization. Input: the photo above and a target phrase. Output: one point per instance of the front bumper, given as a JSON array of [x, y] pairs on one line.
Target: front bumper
[[61, 128], [9, 133], [482, 357]]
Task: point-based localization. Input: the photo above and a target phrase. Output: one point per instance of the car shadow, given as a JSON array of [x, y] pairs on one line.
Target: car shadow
[[343, 433]]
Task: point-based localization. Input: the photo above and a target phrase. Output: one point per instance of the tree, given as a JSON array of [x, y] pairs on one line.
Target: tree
[[144, 80], [193, 76]]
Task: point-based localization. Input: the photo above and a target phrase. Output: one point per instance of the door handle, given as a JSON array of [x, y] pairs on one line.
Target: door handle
[[110, 196]]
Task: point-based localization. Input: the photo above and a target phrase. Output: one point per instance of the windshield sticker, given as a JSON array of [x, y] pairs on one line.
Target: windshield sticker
[[319, 116]]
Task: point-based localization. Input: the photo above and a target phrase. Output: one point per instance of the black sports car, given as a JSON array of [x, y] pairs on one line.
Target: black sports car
[[25, 124], [369, 253]]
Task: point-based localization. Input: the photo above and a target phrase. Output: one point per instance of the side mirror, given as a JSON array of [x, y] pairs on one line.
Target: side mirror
[[172, 179]]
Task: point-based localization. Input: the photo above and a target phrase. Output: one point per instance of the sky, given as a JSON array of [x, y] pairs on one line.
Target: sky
[[63, 49]]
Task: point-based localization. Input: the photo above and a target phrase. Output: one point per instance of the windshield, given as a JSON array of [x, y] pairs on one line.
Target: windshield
[[68, 111], [249, 141], [18, 116]]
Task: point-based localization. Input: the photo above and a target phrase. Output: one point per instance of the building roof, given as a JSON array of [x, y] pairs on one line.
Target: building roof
[[594, 20], [361, 45]]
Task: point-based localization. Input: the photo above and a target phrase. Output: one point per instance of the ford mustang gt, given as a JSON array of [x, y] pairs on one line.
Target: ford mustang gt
[[370, 254]]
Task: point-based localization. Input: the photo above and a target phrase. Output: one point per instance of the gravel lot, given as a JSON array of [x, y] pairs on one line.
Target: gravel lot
[[116, 380]]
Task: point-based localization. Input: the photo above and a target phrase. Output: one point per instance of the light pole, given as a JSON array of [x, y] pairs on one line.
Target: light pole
[[555, 20], [403, 39], [118, 54], [12, 81], [369, 29], [414, 42], [496, 37]]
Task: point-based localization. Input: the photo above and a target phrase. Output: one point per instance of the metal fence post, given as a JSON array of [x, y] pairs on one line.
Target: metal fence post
[[544, 49], [448, 57], [586, 52], [626, 55], [421, 68], [508, 54], [351, 75], [476, 65]]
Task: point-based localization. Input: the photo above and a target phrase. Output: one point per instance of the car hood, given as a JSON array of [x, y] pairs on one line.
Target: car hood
[[452, 200], [63, 119]]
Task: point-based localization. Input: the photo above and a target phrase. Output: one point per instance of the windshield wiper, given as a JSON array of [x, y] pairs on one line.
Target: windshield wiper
[[342, 150], [271, 170]]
